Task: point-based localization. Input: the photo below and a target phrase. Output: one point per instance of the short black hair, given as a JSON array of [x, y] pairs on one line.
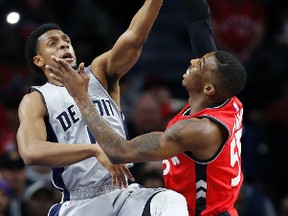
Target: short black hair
[[31, 44], [231, 73]]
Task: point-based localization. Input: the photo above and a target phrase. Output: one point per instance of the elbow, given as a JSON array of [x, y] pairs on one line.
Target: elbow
[[28, 157], [28, 160], [140, 40], [136, 39]]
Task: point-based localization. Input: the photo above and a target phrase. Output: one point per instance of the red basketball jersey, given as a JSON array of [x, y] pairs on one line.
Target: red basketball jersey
[[211, 187]]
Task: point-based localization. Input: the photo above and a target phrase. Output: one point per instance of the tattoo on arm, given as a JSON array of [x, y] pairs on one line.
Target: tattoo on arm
[[174, 132], [102, 132], [145, 143], [112, 142]]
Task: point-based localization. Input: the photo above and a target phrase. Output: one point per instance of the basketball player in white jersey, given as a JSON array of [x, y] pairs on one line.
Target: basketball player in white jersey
[[52, 132]]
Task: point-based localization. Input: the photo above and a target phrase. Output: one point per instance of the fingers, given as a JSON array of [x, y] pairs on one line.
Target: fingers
[[55, 73], [120, 176], [119, 173], [81, 69], [113, 175], [63, 65], [128, 174]]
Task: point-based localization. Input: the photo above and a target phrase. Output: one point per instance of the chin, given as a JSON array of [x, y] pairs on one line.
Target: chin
[[183, 83]]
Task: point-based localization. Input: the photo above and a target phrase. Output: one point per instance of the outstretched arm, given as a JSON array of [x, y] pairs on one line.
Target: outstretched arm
[[199, 26], [143, 148], [112, 65], [195, 134]]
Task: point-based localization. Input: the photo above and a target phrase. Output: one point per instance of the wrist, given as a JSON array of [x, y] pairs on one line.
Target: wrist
[[82, 101]]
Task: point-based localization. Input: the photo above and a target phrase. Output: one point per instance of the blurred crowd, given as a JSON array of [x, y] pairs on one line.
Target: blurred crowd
[[256, 31]]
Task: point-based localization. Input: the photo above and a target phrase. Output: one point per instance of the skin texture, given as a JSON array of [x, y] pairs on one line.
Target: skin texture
[[201, 136], [108, 68]]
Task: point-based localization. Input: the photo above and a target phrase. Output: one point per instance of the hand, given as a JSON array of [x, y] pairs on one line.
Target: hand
[[76, 82], [117, 171]]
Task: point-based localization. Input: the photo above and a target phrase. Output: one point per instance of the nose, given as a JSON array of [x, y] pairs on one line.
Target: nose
[[64, 45]]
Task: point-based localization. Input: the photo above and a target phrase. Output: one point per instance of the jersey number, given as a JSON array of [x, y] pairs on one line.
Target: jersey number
[[235, 154]]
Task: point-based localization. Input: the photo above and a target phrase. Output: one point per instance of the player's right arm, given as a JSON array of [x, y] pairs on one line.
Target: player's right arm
[[31, 138], [35, 150]]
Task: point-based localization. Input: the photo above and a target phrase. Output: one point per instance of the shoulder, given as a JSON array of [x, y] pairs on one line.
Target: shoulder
[[32, 102], [99, 67], [201, 136]]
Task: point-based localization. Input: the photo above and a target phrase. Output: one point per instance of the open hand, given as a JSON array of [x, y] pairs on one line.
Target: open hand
[[118, 172], [76, 82]]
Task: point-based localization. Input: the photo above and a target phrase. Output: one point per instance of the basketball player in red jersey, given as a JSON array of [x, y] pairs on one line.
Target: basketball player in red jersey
[[201, 146]]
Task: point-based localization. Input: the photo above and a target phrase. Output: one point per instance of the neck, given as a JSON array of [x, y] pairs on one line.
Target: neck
[[55, 83], [200, 103], [196, 105]]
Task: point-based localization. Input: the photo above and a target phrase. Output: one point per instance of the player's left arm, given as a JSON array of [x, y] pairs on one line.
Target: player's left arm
[[196, 135], [127, 49]]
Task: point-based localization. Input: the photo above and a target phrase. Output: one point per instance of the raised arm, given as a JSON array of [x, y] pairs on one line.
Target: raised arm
[[127, 49], [199, 26]]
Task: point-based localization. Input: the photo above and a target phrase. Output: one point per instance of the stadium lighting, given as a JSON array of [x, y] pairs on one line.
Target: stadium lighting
[[13, 17]]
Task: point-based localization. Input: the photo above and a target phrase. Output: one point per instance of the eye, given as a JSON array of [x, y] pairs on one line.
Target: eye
[[52, 43]]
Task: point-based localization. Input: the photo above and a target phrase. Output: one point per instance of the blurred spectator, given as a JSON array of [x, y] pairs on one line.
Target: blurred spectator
[[266, 100], [150, 174], [4, 134], [38, 199], [12, 171], [151, 179], [157, 86], [239, 25], [252, 202], [283, 207], [145, 116], [5, 197], [38, 173]]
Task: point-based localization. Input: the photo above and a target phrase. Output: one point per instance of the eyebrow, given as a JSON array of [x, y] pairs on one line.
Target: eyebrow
[[53, 37]]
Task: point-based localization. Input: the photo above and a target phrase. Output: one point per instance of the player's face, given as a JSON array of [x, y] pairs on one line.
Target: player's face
[[199, 73], [54, 42]]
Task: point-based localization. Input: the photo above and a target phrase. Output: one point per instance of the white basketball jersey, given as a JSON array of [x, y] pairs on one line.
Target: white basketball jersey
[[65, 125]]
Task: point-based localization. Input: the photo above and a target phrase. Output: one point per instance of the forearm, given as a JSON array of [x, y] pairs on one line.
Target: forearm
[[144, 19], [199, 26], [119, 150], [106, 137], [50, 154], [127, 49]]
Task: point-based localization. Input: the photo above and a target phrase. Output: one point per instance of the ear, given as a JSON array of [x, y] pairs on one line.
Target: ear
[[209, 89], [37, 60]]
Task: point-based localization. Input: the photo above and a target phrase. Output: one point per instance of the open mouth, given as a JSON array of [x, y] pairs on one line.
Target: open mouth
[[68, 57]]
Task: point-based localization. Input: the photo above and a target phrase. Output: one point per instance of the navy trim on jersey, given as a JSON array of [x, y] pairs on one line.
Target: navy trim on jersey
[[55, 209], [146, 211], [51, 136], [56, 172], [125, 125], [201, 188]]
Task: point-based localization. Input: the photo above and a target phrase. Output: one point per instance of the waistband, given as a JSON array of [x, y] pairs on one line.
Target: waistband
[[88, 193]]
